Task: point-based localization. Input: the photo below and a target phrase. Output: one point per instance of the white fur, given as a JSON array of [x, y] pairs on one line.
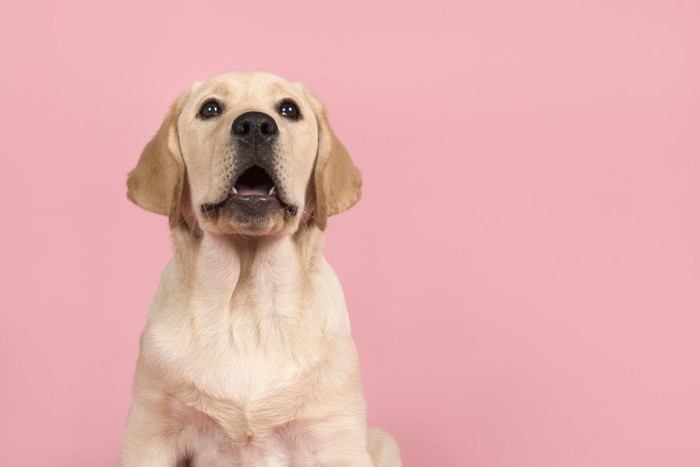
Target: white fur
[[247, 358]]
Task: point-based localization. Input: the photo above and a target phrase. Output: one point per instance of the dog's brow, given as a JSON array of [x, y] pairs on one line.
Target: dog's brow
[[220, 89], [278, 89], [209, 96]]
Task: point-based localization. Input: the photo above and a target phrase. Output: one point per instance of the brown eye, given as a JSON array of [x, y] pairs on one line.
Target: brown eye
[[290, 110], [210, 109]]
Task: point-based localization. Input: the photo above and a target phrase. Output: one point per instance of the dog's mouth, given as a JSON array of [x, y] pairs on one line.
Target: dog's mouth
[[254, 181], [254, 187]]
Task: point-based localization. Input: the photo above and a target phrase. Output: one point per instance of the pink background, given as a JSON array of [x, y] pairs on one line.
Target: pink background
[[523, 272]]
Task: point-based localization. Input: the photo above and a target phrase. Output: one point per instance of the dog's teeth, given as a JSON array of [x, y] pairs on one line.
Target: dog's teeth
[[272, 191], [234, 191]]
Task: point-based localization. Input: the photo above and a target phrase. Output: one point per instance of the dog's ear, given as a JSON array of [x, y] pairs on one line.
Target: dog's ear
[[337, 182], [155, 184]]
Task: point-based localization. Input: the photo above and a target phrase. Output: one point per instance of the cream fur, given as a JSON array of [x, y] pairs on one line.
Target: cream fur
[[247, 358]]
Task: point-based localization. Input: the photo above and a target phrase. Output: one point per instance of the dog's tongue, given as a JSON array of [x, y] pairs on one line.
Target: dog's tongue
[[252, 190]]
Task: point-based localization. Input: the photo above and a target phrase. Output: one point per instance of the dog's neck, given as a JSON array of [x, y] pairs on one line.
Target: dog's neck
[[218, 266]]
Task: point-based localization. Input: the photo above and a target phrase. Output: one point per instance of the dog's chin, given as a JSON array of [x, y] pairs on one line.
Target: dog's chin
[[248, 215]]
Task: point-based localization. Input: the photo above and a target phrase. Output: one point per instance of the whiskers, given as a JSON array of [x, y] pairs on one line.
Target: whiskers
[[190, 219], [306, 213]]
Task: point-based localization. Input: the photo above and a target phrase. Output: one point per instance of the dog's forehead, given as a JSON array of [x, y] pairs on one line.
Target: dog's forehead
[[249, 85]]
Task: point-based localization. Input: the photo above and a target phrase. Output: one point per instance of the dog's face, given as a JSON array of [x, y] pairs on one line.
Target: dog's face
[[245, 153], [249, 142]]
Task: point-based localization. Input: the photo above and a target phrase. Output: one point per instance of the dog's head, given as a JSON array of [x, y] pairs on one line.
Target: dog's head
[[245, 153]]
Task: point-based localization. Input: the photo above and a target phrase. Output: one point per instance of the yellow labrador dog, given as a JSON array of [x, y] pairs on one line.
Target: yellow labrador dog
[[247, 358]]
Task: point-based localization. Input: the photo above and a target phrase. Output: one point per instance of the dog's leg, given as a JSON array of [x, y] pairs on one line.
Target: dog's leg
[[147, 442], [339, 441], [383, 448]]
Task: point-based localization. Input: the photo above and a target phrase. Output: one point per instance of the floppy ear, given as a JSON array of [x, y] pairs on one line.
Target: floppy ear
[[336, 179], [155, 184]]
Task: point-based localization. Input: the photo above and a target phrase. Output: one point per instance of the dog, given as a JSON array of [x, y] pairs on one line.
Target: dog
[[247, 358]]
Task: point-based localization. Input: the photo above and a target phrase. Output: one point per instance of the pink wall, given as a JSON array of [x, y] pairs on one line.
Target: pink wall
[[522, 274]]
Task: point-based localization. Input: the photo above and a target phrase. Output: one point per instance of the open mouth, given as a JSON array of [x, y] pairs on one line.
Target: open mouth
[[253, 189], [254, 182]]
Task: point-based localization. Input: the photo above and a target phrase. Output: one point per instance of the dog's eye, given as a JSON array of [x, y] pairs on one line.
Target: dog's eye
[[210, 109], [290, 110]]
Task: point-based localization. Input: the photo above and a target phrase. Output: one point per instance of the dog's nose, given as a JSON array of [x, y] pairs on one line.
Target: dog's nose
[[254, 128]]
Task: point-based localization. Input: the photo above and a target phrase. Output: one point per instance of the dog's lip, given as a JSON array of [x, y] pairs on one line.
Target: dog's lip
[[208, 207], [233, 196], [254, 184]]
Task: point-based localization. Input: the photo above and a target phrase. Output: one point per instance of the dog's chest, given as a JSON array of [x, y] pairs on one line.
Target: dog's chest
[[244, 352], [249, 367], [259, 345]]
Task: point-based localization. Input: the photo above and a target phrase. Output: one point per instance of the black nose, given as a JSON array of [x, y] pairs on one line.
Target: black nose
[[254, 128]]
